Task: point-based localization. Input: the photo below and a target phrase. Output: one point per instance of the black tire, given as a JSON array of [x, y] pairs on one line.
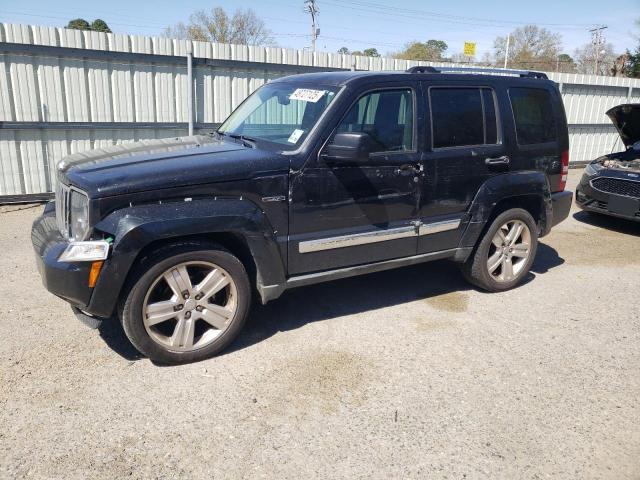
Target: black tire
[[150, 268], [475, 269]]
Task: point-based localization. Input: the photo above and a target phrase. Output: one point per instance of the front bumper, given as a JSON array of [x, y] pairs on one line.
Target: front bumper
[[594, 200], [68, 281]]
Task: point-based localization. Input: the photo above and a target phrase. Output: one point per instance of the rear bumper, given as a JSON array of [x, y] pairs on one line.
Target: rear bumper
[[68, 281], [561, 206]]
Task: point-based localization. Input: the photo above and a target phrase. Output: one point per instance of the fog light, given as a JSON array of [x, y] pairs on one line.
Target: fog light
[[85, 251]]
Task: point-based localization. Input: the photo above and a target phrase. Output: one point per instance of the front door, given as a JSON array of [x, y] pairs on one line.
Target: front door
[[360, 212], [465, 148]]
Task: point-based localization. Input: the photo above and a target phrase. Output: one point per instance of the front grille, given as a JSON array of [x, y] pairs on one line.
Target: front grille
[[617, 186], [63, 194]]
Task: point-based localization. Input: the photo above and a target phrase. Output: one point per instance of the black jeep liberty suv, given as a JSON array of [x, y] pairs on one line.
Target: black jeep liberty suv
[[313, 177]]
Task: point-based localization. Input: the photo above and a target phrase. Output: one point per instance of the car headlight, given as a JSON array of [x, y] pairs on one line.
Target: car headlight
[[593, 168], [78, 215]]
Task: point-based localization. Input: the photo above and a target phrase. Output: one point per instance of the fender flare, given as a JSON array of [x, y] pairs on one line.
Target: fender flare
[[504, 187], [136, 227]]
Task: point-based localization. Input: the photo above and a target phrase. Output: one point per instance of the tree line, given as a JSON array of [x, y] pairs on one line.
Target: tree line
[[530, 47]]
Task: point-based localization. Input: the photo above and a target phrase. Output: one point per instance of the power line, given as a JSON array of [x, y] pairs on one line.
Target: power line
[[395, 11]]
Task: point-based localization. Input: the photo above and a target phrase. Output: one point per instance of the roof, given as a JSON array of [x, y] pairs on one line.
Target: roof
[[340, 78]]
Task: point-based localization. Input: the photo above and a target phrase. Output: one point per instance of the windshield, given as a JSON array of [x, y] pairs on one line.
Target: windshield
[[281, 113]]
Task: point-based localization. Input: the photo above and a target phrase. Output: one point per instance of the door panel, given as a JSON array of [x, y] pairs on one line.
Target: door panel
[[344, 214], [465, 138]]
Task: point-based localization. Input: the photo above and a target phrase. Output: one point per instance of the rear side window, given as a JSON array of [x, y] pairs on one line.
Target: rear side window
[[463, 117], [533, 115]]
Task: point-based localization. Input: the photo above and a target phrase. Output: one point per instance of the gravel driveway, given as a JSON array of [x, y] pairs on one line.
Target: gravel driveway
[[401, 374]]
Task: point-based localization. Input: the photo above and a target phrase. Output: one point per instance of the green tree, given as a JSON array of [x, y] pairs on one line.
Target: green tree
[[566, 64], [243, 28], [431, 50], [371, 52], [633, 62], [100, 25], [79, 24], [344, 51]]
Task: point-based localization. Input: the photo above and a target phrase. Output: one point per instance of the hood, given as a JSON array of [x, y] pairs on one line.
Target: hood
[[157, 164], [626, 119]]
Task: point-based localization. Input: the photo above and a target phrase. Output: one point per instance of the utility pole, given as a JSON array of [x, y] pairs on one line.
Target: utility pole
[[597, 40], [506, 51], [312, 8]]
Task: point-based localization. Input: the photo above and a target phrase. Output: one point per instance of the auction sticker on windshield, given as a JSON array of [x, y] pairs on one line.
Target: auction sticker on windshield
[[307, 95]]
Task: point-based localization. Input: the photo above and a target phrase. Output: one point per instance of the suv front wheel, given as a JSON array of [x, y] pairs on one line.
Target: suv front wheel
[[187, 302], [505, 253]]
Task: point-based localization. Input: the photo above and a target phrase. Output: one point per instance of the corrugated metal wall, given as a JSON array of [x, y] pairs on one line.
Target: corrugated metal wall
[[101, 89]]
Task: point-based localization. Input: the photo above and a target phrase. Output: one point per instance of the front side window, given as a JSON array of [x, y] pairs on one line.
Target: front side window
[[533, 115], [463, 117], [386, 116], [280, 113]]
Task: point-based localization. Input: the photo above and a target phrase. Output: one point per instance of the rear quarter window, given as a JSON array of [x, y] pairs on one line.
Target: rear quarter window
[[533, 115]]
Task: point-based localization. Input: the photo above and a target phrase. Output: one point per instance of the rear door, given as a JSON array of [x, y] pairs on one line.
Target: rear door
[[464, 148]]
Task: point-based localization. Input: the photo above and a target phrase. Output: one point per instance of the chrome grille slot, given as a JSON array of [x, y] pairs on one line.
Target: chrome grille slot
[[62, 208]]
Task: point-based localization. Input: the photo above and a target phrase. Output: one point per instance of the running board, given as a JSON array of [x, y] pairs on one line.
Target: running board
[[311, 278], [271, 292]]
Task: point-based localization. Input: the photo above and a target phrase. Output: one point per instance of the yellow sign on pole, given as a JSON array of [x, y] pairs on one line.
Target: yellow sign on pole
[[470, 49]]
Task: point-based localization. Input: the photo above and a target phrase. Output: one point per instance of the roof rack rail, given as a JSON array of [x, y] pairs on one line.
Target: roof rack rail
[[520, 73]]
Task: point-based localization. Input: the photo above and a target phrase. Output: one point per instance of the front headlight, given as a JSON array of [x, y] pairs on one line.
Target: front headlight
[[592, 169], [78, 215]]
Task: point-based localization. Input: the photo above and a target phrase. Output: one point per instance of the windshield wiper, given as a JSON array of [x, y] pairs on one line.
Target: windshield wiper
[[246, 141]]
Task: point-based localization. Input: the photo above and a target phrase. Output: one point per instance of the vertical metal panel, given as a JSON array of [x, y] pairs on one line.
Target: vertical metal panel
[[75, 86], [24, 88], [7, 112], [51, 90], [99, 88], [31, 153], [10, 167]]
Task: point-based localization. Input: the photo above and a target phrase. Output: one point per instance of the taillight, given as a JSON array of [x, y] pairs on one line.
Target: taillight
[[565, 170]]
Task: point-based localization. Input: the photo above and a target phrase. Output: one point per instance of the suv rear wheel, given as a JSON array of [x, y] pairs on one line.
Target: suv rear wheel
[[505, 253], [187, 303]]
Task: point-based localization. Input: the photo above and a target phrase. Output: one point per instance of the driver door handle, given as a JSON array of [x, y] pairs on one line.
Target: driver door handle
[[503, 160], [410, 168]]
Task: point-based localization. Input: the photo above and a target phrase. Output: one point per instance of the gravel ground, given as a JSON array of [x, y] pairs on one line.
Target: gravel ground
[[401, 374]]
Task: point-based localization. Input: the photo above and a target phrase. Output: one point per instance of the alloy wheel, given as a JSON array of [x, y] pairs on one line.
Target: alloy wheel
[[189, 306], [509, 251]]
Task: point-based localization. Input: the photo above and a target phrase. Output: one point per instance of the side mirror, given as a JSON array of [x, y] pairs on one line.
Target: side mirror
[[349, 147]]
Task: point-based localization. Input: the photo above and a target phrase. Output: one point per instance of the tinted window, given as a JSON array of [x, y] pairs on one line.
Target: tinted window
[[463, 117], [387, 116], [491, 123], [533, 114]]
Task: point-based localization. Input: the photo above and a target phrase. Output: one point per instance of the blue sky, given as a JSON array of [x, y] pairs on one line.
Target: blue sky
[[358, 24]]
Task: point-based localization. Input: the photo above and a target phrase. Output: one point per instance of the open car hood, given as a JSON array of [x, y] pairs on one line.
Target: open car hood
[[626, 119]]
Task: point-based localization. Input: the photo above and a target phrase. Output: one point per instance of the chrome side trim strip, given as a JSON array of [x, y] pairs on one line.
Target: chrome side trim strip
[[356, 239], [436, 227]]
